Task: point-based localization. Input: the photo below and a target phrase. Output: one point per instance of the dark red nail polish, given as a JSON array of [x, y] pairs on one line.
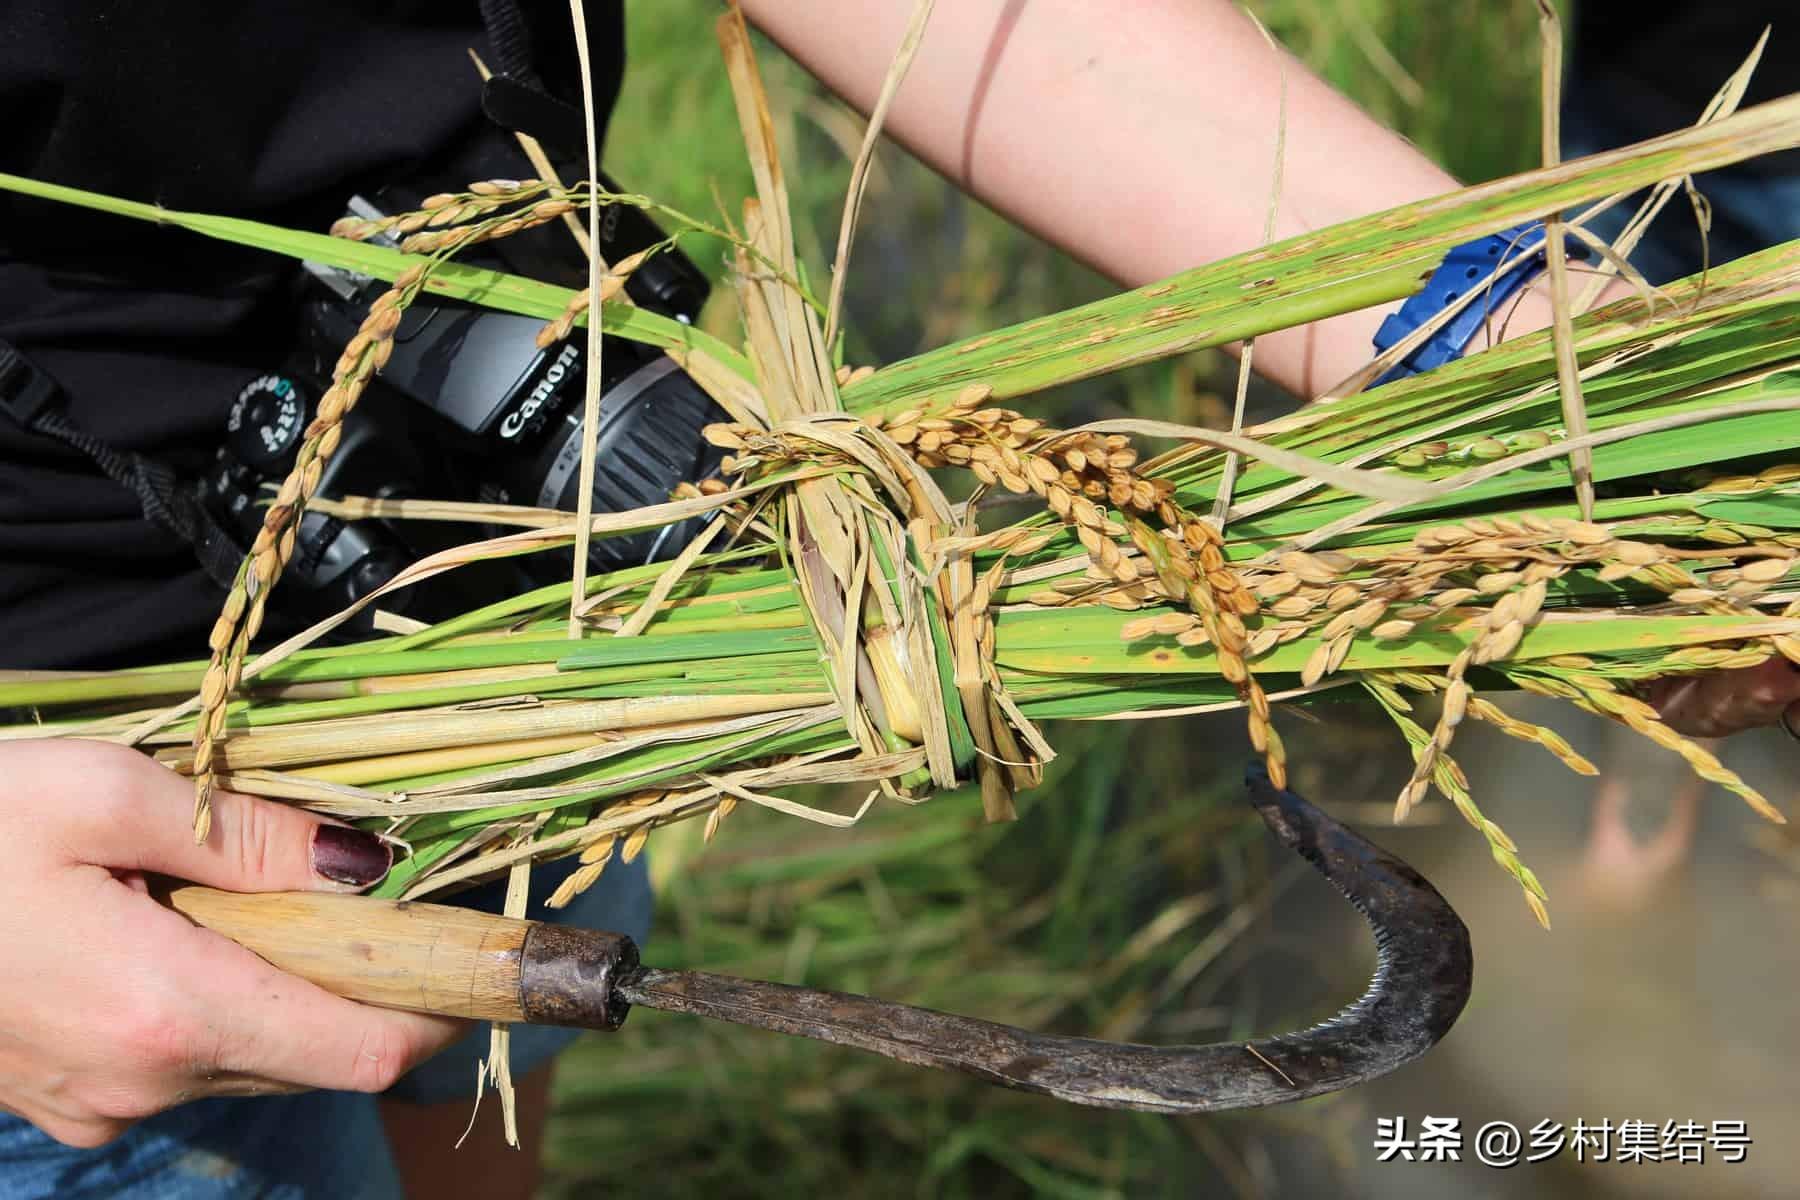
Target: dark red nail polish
[[346, 855]]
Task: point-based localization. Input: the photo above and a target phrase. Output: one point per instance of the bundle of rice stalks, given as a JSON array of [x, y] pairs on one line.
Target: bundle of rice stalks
[[1571, 513]]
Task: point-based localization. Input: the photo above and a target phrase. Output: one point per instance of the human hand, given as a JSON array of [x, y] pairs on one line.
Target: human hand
[[1725, 702], [113, 1007]]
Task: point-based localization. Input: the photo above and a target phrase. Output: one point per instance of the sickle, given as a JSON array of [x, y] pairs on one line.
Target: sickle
[[437, 959]]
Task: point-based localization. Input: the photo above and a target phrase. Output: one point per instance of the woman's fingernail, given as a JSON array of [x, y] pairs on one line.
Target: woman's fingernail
[[344, 854]]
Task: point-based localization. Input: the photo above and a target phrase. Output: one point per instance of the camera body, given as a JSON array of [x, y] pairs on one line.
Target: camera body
[[468, 407]]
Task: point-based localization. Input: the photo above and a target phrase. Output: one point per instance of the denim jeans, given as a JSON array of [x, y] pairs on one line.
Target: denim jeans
[[308, 1146]]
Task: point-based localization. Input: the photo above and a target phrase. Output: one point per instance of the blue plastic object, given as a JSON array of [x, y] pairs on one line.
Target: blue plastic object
[[1464, 269]]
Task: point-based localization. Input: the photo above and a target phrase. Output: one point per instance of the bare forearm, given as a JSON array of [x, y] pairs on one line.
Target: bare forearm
[[1139, 137]]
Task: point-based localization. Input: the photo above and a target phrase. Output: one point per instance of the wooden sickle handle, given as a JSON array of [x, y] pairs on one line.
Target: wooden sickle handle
[[426, 957]]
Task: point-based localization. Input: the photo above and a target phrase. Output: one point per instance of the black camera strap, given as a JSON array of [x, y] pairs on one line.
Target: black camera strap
[[509, 33], [535, 89], [34, 401], [520, 97]]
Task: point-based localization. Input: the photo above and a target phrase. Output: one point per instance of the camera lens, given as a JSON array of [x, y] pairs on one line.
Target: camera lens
[[649, 443]]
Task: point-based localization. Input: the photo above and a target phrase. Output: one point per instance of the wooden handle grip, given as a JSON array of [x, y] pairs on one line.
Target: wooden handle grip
[[425, 957]]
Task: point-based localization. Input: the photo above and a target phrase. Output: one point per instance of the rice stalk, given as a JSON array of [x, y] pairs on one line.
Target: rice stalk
[[857, 627]]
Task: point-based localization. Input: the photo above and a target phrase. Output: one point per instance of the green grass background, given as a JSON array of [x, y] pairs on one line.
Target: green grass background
[[1134, 898]]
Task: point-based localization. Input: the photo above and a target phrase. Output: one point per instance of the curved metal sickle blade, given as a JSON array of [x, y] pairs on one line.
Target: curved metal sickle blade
[[1422, 978]]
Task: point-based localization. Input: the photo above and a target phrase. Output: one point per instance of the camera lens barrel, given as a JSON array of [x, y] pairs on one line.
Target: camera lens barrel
[[649, 443]]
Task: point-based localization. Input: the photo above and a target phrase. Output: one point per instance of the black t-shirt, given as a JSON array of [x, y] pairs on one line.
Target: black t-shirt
[[274, 111], [1653, 65]]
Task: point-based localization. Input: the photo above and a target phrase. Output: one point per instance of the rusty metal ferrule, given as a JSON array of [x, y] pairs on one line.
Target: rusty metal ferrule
[[570, 976]]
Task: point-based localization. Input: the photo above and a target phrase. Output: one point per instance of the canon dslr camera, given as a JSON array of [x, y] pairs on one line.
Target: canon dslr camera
[[468, 407]]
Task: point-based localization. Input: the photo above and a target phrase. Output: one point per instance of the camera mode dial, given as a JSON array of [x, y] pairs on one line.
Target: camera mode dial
[[266, 421]]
